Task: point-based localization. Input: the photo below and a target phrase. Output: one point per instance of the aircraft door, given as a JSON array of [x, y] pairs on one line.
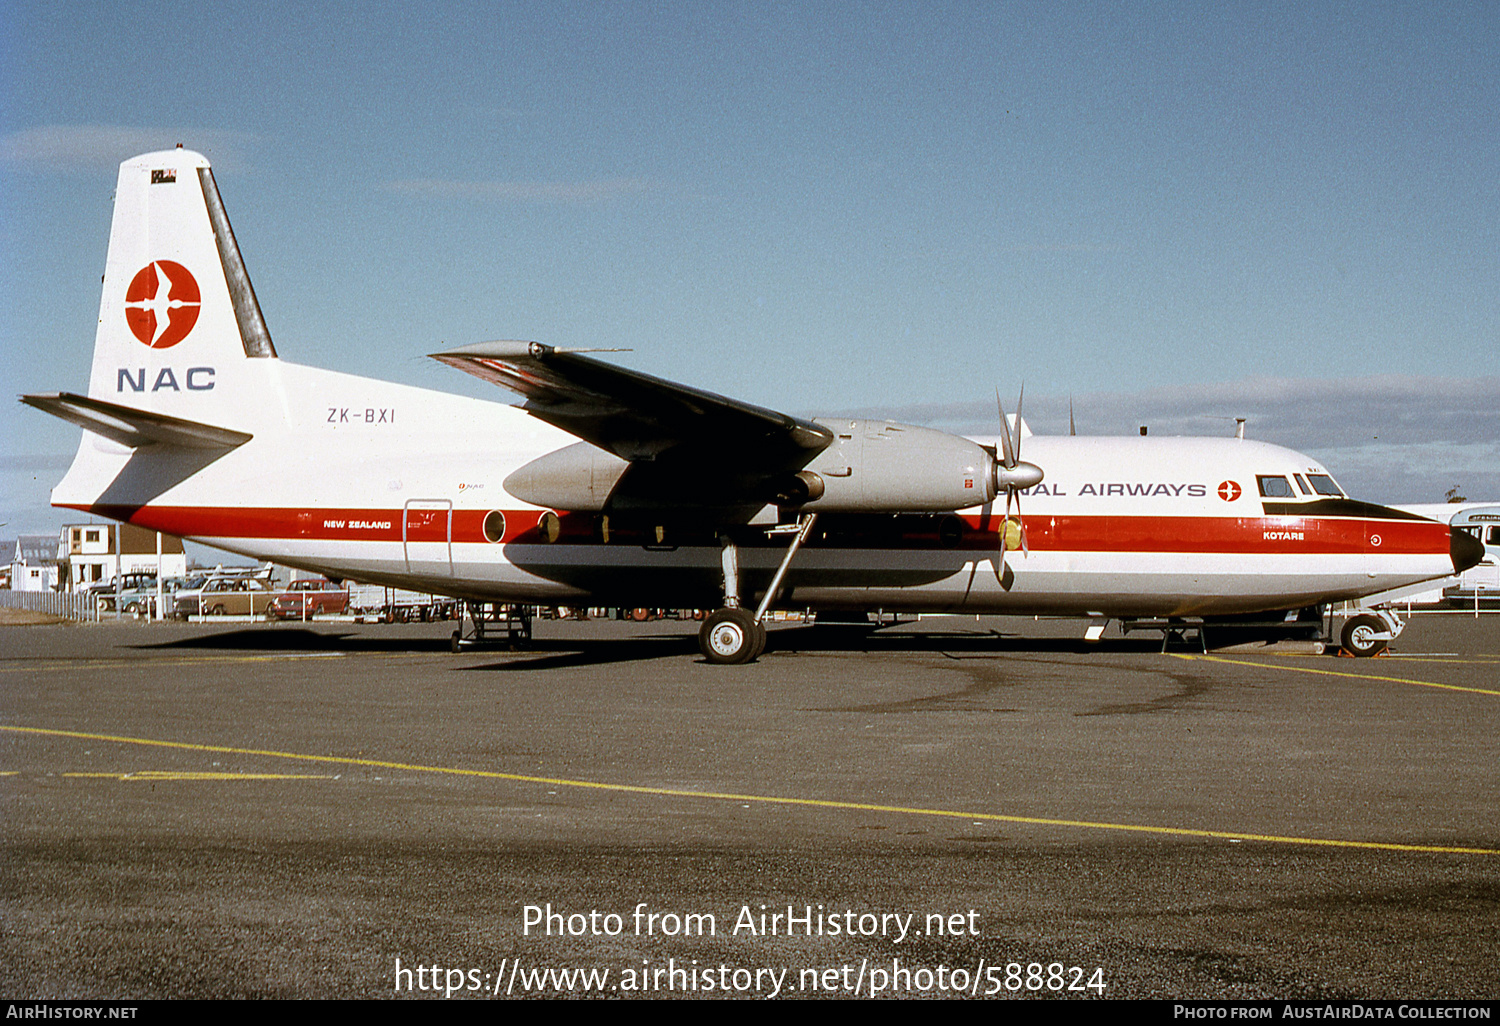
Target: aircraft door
[[427, 536]]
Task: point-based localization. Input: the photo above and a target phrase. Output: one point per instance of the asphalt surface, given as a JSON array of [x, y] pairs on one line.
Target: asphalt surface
[[287, 811]]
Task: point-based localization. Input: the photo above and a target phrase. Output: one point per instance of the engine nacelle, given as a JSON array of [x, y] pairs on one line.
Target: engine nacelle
[[873, 466], [579, 477], [876, 466]]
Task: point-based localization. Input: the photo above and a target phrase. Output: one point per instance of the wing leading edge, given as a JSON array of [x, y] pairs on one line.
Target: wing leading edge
[[634, 415], [684, 446]]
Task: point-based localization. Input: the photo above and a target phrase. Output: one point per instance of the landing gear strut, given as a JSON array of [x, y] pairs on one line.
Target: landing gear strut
[[733, 634]]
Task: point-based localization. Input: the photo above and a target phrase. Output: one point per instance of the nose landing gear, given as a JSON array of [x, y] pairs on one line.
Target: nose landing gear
[[1366, 635]]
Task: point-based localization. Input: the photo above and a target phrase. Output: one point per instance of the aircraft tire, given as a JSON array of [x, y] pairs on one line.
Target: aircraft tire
[[729, 637], [1358, 636], [760, 641], [455, 643]]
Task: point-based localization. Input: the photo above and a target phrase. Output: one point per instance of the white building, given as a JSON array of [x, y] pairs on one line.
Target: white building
[[33, 563], [88, 554]]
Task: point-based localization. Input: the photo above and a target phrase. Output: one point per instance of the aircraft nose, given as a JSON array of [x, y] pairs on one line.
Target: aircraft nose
[[1465, 549]]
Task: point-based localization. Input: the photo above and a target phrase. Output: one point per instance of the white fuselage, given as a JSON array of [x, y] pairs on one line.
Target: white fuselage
[[365, 479]]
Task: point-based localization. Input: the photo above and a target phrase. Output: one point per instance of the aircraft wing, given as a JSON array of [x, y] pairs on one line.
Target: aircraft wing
[[640, 417]]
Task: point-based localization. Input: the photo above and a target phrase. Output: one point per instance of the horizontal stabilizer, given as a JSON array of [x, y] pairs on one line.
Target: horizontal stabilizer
[[132, 427]]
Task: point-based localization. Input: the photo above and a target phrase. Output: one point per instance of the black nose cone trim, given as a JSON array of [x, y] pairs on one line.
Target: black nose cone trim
[[1465, 549]]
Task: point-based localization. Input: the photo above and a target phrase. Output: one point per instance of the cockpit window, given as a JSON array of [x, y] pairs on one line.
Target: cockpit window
[[1273, 487], [1324, 485], [1302, 484]]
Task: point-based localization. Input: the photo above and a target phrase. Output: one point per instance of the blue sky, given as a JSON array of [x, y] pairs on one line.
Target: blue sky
[[1172, 212]]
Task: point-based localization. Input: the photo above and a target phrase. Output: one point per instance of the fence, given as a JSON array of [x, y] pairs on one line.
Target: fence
[[67, 605]]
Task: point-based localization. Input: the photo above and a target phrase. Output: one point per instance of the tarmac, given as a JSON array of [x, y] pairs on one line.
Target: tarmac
[[956, 807]]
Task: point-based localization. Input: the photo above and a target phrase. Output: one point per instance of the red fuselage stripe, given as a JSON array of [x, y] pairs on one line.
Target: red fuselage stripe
[[1070, 533]]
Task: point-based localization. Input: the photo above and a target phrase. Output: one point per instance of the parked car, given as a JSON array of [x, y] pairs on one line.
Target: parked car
[[141, 600], [303, 600], [226, 596], [132, 590]]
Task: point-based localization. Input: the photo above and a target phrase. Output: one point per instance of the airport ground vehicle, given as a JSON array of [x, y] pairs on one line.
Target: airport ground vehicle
[[610, 487], [1479, 586], [381, 604]]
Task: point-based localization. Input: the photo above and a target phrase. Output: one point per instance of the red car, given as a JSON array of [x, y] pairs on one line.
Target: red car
[[305, 599]]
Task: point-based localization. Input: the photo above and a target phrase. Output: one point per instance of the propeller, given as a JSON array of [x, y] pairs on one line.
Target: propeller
[[1012, 475]]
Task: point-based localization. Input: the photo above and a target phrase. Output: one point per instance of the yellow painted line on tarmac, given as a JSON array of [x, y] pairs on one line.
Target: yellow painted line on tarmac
[[1439, 659], [156, 775], [1337, 673], [816, 803]]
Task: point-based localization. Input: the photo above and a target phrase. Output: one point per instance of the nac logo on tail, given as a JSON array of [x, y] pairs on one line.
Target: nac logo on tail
[[162, 303]]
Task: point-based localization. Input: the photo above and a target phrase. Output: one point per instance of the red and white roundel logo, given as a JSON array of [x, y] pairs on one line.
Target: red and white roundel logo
[[161, 304], [1229, 491]]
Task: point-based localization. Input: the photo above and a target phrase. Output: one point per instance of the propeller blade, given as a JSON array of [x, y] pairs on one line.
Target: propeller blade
[[1019, 400], [1072, 428], [999, 564], [1008, 454]]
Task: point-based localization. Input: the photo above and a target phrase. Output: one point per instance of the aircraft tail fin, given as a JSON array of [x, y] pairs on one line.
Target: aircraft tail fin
[[178, 319]]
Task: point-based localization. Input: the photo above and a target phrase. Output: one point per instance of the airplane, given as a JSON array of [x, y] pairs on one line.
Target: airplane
[[608, 486]]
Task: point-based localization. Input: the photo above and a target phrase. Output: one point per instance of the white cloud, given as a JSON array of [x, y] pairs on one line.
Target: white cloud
[[87, 148], [1421, 472], [1389, 439]]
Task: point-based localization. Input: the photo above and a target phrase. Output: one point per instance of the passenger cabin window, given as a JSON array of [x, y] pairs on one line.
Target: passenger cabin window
[[1324, 485], [1274, 487]]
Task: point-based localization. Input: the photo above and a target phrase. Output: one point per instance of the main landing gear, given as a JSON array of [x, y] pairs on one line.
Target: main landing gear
[[734, 634]]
